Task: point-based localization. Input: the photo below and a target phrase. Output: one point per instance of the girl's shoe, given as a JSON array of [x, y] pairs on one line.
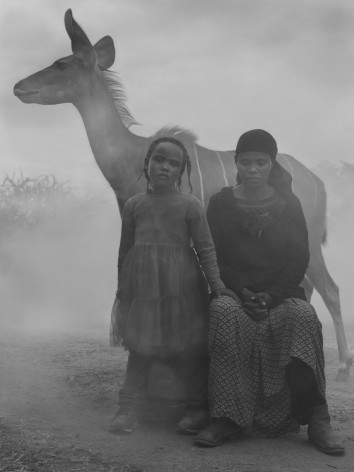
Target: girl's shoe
[[218, 431], [193, 422], [124, 421]]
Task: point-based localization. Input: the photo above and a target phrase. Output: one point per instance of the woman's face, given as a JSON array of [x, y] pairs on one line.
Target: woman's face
[[254, 168]]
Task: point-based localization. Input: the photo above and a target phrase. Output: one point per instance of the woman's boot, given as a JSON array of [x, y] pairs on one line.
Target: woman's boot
[[320, 432]]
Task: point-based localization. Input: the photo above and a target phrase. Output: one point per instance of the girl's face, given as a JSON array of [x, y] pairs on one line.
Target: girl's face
[[164, 166], [254, 168]]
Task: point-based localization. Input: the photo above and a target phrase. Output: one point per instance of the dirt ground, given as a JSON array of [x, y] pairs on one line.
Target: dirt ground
[[59, 390]]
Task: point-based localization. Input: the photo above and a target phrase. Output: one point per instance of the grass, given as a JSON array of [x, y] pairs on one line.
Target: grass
[[25, 447]]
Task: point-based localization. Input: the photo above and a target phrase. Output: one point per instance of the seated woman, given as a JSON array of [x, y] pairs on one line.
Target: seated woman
[[265, 340]]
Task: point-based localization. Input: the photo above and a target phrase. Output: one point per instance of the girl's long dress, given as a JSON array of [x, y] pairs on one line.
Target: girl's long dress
[[163, 294]]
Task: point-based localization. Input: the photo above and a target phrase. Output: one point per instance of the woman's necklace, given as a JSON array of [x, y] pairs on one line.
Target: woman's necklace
[[258, 194]]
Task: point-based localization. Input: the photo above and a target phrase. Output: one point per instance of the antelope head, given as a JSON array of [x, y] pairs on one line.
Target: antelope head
[[67, 79]]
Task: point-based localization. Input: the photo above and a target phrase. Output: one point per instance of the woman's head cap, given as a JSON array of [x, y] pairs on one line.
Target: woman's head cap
[[257, 140]]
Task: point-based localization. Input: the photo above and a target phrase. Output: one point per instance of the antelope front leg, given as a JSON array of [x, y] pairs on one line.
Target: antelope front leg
[[329, 291]]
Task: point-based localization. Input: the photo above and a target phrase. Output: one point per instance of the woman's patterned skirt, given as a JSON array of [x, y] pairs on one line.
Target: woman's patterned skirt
[[247, 380]]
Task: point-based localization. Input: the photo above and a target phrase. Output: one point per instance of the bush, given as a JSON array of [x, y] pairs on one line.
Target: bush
[[58, 251], [29, 203]]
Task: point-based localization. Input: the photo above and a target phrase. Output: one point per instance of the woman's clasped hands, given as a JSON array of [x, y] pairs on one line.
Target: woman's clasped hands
[[256, 304]]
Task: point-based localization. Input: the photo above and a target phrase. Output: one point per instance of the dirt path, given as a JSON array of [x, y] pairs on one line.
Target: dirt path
[[58, 393]]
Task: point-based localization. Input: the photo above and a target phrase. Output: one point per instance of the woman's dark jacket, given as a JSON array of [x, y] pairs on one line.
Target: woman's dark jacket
[[273, 260]]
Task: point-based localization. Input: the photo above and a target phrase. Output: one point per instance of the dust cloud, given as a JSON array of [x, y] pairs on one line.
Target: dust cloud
[[58, 253], [58, 273], [58, 257], [338, 178]]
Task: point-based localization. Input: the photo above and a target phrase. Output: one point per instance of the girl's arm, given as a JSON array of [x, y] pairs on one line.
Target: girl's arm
[[203, 242], [127, 233]]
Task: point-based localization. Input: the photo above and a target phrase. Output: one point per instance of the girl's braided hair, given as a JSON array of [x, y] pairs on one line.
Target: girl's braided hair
[[185, 162]]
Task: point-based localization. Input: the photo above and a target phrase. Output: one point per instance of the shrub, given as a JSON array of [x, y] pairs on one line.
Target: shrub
[[30, 203]]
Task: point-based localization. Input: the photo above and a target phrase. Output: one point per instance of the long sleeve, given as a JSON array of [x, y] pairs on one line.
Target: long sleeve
[[203, 243], [127, 233], [231, 277], [297, 254]]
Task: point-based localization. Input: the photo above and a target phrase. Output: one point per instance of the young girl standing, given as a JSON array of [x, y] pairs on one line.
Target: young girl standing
[[162, 296]]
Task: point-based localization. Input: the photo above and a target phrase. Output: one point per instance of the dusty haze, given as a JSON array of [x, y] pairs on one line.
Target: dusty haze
[[61, 271]]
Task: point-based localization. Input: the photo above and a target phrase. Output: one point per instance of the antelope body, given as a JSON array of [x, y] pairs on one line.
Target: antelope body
[[84, 80]]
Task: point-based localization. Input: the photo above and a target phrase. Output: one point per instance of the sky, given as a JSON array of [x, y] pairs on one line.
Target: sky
[[216, 67]]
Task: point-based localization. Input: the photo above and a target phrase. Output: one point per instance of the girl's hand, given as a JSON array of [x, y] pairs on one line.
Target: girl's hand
[[224, 291]]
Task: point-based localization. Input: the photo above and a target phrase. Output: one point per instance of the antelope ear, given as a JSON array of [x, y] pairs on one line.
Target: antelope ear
[[80, 44], [105, 52]]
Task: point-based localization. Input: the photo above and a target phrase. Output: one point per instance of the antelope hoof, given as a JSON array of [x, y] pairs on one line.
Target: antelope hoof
[[343, 373]]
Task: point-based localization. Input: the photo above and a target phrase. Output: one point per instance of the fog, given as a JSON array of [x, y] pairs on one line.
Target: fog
[[215, 70], [338, 252], [58, 260], [62, 272], [59, 254]]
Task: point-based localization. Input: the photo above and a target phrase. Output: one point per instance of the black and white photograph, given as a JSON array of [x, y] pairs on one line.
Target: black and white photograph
[[176, 235]]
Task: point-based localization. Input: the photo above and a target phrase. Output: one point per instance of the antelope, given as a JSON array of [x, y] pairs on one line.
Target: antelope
[[84, 79]]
